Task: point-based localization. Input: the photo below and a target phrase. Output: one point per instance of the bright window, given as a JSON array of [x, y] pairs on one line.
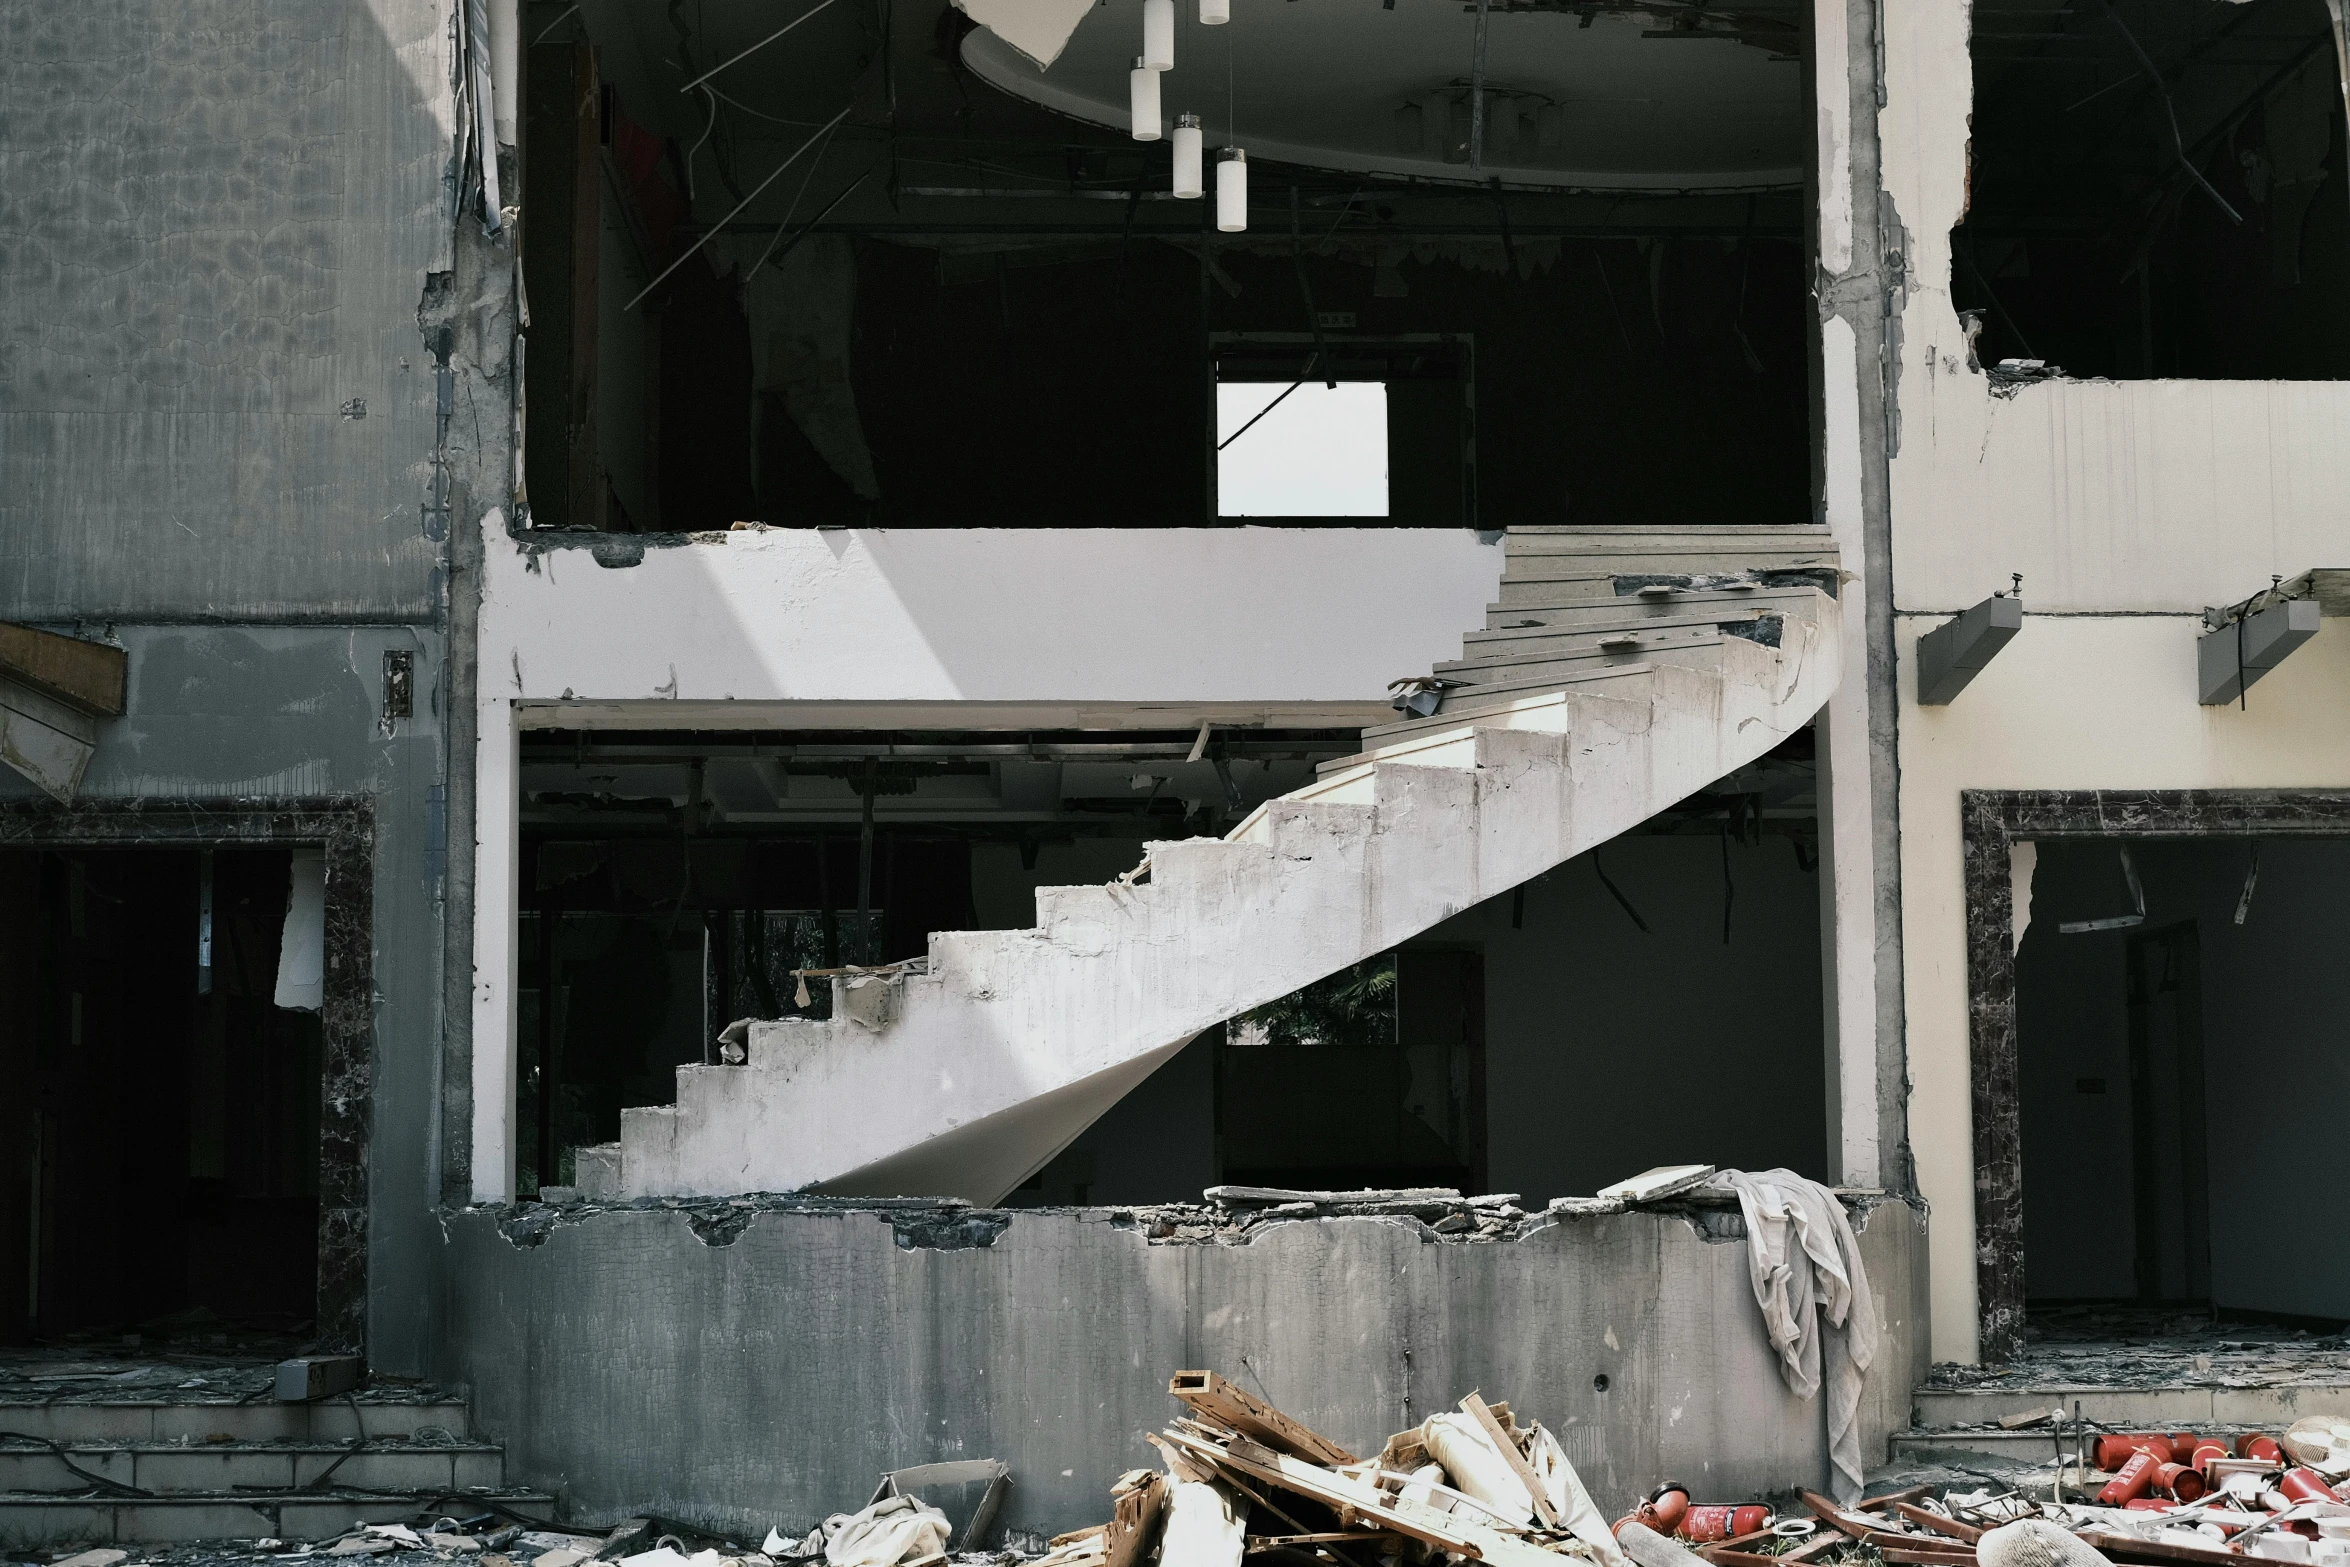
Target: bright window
[[1312, 450]]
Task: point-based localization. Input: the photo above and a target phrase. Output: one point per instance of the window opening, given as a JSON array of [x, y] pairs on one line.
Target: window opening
[[1305, 450], [2157, 189]]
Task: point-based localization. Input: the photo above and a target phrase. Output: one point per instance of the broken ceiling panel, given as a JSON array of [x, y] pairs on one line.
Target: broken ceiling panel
[[1572, 100], [1038, 29]]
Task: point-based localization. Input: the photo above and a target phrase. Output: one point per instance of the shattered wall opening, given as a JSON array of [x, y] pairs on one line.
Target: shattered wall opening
[[676, 883], [885, 271], [2203, 880], [2134, 1040], [2157, 188], [161, 1067]]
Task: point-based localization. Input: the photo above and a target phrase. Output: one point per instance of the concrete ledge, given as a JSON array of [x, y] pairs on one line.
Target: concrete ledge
[[630, 1366]]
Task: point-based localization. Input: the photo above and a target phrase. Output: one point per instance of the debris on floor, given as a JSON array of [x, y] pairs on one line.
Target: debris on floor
[[2124, 1346]]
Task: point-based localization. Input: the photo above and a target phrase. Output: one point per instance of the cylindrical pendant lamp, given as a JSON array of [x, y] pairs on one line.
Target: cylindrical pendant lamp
[[1214, 13], [1188, 170], [1158, 34], [1232, 191], [1142, 93]]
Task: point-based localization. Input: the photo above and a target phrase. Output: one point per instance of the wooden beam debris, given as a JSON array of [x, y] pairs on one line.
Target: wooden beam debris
[[1210, 1395]]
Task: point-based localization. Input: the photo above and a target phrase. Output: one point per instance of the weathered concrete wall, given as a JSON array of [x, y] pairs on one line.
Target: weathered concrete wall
[[234, 713], [219, 217], [629, 1366]]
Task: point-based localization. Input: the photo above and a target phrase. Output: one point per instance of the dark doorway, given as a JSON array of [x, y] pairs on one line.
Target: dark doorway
[[1374, 1077], [163, 1110], [2169, 1175]]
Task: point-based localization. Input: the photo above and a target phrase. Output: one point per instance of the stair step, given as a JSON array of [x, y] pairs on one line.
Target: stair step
[[1529, 677], [1692, 605], [132, 1422], [1568, 650], [2179, 1408], [1721, 543], [252, 1466], [1465, 708], [35, 1521]]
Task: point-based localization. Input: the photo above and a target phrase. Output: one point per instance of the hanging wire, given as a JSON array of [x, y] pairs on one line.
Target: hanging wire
[[755, 48], [707, 128], [784, 227], [696, 246]]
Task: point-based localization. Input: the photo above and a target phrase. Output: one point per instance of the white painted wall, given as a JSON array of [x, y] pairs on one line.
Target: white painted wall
[[2106, 495], [785, 628], [2114, 499]]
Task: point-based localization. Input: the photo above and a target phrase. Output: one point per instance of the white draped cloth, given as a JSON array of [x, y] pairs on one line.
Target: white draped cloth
[[1814, 1294]]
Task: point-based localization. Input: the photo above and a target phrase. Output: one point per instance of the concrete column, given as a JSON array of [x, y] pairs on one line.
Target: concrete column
[[1860, 884], [496, 898]]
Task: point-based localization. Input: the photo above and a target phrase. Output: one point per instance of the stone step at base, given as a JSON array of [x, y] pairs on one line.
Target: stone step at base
[[40, 1522], [2034, 1444], [330, 1421], [257, 1466], [2181, 1408]]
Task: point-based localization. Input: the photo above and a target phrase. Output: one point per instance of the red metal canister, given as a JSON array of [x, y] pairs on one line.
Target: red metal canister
[[2114, 1451], [2253, 1445], [2179, 1480], [2205, 1451], [2306, 1485], [1705, 1524], [1670, 1504], [2134, 1480], [2182, 1446]]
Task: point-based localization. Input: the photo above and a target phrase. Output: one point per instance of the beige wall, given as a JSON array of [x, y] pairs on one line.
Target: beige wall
[[2073, 703], [2127, 507]]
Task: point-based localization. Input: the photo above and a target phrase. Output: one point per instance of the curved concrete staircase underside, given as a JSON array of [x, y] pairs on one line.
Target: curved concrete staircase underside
[[1621, 671]]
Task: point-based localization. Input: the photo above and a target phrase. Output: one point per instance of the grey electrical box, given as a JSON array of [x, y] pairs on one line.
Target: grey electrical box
[[1954, 652]]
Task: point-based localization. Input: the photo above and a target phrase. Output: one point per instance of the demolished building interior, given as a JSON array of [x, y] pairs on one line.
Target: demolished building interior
[[981, 301], [871, 1094]]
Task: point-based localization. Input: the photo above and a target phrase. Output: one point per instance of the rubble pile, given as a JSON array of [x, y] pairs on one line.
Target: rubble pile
[[1243, 1479]]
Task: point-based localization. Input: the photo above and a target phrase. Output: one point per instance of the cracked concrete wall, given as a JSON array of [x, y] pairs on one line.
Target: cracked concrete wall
[[219, 216], [2126, 506], [1858, 271], [253, 368], [767, 1380]]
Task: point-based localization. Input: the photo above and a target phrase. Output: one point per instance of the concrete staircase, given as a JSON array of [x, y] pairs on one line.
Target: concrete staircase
[[1621, 670], [1966, 1420], [237, 1471]]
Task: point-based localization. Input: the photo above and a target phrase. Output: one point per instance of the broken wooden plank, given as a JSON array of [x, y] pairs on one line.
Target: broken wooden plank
[[1835, 1517], [1936, 1522], [1816, 1547], [1736, 1542], [1352, 1498], [1723, 1556], [1924, 1555], [89, 677], [1479, 1411], [1877, 1504], [1252, 1417]]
